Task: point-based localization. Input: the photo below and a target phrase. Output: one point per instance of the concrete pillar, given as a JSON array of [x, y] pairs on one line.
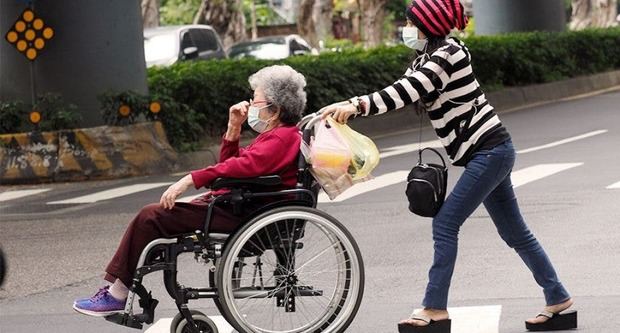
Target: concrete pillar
[[500, 16], [97, 46]]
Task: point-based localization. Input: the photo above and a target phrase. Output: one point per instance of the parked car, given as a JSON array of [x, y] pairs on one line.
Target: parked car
[[167, 45], [271, 48]]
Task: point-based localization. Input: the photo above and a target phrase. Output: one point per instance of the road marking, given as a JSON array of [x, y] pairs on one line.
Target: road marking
[[561, 142], [110, 194], [10, 195], [610, 187], [519, 178], [536, 172], [163, 325], [373, 184], [408, 148], [475, 319]]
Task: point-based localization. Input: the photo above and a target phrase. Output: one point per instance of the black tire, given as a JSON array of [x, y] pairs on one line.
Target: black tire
[[204, 323], [353, 308], [2, 267]]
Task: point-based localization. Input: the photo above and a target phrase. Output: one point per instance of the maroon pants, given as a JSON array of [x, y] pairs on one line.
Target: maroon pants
[[154, 222]]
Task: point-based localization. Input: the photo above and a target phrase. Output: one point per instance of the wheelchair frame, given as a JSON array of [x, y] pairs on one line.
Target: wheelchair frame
[[161, 254]]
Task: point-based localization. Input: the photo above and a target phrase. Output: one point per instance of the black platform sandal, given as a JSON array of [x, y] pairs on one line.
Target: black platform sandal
[[556, 322], [434, 326]]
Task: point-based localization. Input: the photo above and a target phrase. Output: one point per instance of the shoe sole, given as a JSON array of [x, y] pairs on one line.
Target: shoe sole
[[440, 326], [96, 313], [559, 322]]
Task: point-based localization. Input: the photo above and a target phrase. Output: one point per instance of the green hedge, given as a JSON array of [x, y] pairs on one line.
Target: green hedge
[[210, 87], [183, 125], [55, 113]]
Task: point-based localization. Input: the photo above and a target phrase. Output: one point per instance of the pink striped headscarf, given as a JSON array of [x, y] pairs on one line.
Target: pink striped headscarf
[[438, 17]]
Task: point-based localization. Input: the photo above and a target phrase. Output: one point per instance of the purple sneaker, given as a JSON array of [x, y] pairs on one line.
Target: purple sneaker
[[79, 300], [100, 305]]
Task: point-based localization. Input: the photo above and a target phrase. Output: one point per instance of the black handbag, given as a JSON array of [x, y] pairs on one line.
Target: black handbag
[[426, 186]]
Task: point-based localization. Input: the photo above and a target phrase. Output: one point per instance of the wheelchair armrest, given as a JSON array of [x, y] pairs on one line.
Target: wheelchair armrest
[[265, 181]]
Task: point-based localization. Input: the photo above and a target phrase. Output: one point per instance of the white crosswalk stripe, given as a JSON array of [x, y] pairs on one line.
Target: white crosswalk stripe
[[536, 172], [469, 319], [474, 319], [519, 178], [110, 194], [561, 142], [163, 325], [408, 148], [373, 184], [10, 195], [614, 186]]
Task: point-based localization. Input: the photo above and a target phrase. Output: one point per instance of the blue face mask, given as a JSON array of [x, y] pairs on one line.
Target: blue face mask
[[410, 38], [254, 121]]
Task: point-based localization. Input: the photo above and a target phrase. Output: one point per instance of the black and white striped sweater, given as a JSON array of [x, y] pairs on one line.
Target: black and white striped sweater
[[445, 82]]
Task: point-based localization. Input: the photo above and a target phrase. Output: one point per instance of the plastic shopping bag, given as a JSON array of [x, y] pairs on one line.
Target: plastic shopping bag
[[365, 155], [330, 159], [340, 157]]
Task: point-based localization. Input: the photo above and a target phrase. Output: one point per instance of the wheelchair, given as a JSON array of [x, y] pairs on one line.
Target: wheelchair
[[287, 268]]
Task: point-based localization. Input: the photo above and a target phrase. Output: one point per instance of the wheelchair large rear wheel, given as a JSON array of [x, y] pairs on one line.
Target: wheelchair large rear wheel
[[291, 269]]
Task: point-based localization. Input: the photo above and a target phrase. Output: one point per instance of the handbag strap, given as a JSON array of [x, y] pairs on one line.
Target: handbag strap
[[420, 149], [433, 150]]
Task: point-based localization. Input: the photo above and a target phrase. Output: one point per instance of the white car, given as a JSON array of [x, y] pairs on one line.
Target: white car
[[167, 45], [271, 48]]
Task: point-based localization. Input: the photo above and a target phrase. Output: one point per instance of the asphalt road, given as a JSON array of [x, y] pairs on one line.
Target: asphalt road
[[57, 252]]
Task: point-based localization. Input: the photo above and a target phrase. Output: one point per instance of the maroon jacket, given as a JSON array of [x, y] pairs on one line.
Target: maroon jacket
[[272, 153]]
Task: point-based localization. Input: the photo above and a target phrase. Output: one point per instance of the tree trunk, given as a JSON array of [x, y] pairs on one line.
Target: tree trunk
[[305, 22], [150, 13], [226, 17], [323, 18], [593, 14], [373, 16], [253, 16]]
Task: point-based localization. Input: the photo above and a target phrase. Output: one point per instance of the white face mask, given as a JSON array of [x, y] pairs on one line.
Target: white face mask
[[410, 38], [254, 121]]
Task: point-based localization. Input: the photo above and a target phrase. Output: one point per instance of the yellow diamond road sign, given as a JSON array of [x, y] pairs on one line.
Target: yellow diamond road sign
[[29, 34]]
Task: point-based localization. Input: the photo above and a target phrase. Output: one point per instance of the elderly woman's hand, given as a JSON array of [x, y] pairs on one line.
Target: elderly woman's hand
[[238, 113], [340, 111], [174, 191]]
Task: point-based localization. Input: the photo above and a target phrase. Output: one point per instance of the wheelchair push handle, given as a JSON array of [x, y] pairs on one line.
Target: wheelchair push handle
[[310, 119]]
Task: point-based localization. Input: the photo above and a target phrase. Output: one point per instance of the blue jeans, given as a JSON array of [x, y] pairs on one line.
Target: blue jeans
[[486, 179]]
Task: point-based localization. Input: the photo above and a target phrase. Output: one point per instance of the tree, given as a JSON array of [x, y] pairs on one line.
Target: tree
[[226, 17], [150, 13], [593, 14], [305, 22], [173, 12], [373, 17], [322, 16]]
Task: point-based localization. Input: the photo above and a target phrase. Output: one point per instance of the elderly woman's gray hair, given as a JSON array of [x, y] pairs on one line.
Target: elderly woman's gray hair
[[284, 88]]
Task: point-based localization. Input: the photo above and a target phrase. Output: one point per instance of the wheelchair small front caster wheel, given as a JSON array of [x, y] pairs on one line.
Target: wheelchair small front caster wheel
[[205, 324]]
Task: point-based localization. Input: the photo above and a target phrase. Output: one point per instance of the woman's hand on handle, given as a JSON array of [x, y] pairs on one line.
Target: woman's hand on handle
[[341, 112], [174, 191]]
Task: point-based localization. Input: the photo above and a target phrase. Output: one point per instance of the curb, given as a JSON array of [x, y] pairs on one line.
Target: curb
[[104, 152]]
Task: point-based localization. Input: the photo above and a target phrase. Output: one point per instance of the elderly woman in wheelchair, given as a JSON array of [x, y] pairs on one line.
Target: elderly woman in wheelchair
[[277, 264]]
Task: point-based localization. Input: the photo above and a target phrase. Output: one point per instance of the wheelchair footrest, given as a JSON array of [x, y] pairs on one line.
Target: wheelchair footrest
[[125, 320], [148, 305]]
